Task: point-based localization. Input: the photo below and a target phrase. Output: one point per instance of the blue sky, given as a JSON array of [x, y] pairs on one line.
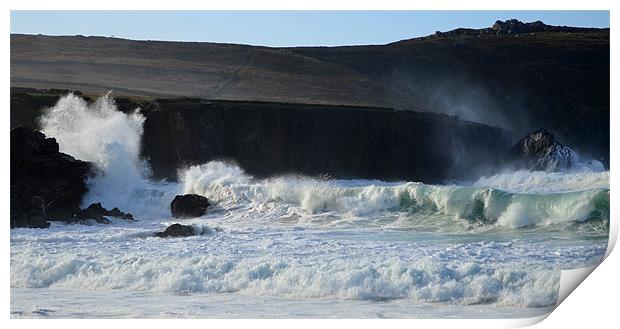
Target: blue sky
[[280, 28]]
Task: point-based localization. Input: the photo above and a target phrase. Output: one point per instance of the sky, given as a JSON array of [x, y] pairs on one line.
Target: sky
[[280, 28]]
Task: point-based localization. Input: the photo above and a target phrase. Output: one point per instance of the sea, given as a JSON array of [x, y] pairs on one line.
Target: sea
[[300, 247]]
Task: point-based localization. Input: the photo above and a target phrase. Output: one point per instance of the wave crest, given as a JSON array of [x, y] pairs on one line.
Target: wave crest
[[229, 185]]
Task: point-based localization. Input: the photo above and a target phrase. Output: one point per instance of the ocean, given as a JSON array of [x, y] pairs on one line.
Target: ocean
[[295, 246]]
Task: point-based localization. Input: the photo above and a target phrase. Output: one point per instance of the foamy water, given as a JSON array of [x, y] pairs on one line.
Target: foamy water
[[492, 248]]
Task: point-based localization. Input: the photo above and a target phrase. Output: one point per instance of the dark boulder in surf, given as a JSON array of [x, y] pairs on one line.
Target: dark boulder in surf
[[45, 184], [541, 151], [94, 211], [189, 205], [176, 230], [97, 212], [115, 212]]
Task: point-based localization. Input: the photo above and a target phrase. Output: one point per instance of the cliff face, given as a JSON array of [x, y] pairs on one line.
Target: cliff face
[[279, 138], [341, 142]]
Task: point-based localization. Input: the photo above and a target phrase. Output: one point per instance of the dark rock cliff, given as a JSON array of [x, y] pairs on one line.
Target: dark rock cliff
[[338, 141], [268, 139], [281, 138]]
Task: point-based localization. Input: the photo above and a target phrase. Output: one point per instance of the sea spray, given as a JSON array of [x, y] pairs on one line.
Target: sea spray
[[542, 182], [219, 181], [97, 132], [100, 133]]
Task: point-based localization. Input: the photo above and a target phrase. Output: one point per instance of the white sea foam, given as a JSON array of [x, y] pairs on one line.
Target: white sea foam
[[310, 277]]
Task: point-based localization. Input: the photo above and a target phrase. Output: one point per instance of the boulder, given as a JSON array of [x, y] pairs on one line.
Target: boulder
[[176, 230], [189, 205], [94, 211], [97, 212], [541, 151], [115, 212], [45, 184]]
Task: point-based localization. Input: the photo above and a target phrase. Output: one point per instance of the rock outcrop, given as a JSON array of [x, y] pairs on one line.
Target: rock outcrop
[[514, 26], [45, 184], [188, 206], [99, 213], [176, 230], [541, 151]]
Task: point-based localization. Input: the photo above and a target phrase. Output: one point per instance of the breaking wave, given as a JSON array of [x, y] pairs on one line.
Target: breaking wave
[[227, 184]]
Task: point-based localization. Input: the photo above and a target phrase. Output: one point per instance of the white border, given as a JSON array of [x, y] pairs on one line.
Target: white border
[[594, 305], [313, 5]]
